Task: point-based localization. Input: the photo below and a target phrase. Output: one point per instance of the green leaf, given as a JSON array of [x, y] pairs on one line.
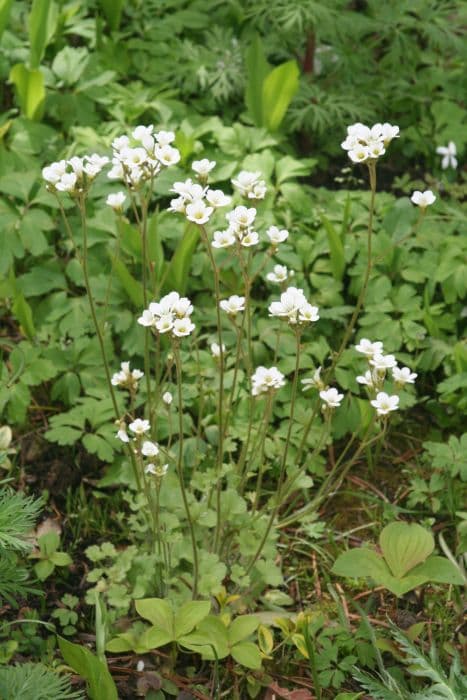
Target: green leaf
[[439, 570], [23, 313], [242, 627], [179, 268], [30, 90], [357, 563], [404, 546], [61, 559], [336, 249], [155, 638], [288, 168], [189, 616], [112, 10], [279, 87], [247, 654], [132, 287], [158, 611], [210, 639], [43, 569], [89, 667], [257, 69], [5, 7], [42, 19]]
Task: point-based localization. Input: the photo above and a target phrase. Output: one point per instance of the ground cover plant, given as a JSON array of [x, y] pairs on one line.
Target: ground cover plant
[[234, 362]]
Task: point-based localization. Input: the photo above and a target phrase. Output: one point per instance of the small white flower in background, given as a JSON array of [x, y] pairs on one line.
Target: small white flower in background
[[217, 199], [52, 173], [140, 426], [170, 314], [249, 239], [369, 349], [294, 307], [123, 435], [314, 381], [423, 199], [167, 155], [140, 666], [403, 375], [449, 154], [177, 205], [383, 362], [144, 135], [198, 212], [116, 200], [250, 185], [277, 235], [233, 305], [216, 350], [364, 143], [167, 398], [384, 403], [126, 377], [264, 380], [158, 470], [67, 183], [223, 239], [163, 138], [203, 167], [189, 190], [367, 379], [149, 449], [279, 274], [331, 397]]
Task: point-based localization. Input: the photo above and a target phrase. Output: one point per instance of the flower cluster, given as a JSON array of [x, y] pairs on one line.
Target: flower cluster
[[328, 395], [145, 449], [196, 202], [172, 314], [264, 380], [364, 143], [126, 378], [294, 307], [141, 157], [250, 185], [375, 376], [73, 175]]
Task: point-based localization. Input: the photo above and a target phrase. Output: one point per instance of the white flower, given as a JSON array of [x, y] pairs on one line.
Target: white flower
[[403, 375], [277, 235], [294, 306], [53, 173], [77, 165], [159, 471], [308, 313], [182, 327], [249, 239], [149, 449], [389, 132], [250, 185], [189, 190], [164, 323], [423, 199], [313, 381], [139, 426], [163, 138], [241, 217], [198, 212], [144, 135], [147, 319], [122, 435], [167, 155], [203, 167], [182, 307], [177, 205], [216, 198], [121, 142], [233, 305], [223, 239], [385, 403], [364, 143], [132, 157], [449, 153], [167, 398], [140, 666], [126, 377], [67, 182], [383, 362], [279, 274], [331, 397], [369, 349], [264, 380], [116, 200], [359, 154], [366, 379], [216, 350]]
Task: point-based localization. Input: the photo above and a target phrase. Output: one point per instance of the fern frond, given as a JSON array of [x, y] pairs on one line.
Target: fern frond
[[13, 578], [379, 688], [35, 682], [18, 515]]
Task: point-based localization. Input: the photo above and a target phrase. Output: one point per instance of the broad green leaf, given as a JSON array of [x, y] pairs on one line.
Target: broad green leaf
[[257, 69], [23, 313], [158, 611], [265, 639], [120, 644], [279, 87], [30, 89], [241, 628], [112, 10], [179, 268], [439, 570], [336, 249], [247, 654], [42, 21], [61, 559], [361, 562], [210, 639], [5, 7], [89, 667], [288, 168], [404, 546], [155, 638], [43, 569], [189, 616], [132, 287]]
